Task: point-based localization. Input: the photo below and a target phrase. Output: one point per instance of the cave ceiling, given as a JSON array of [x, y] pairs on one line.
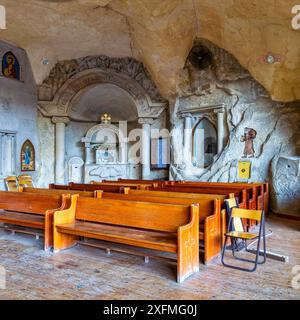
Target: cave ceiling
[[160, 33]]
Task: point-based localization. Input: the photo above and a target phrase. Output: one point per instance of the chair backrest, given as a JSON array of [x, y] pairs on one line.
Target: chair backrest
[[237, 222], [153, 216], [25, 180], [11, 183], [29, 202], [247, 214]]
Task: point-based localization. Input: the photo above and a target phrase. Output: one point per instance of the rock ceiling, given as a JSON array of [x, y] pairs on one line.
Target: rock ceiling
[[160, 33]]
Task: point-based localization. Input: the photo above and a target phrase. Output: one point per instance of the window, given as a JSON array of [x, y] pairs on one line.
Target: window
[[204, 143], [7, 153]]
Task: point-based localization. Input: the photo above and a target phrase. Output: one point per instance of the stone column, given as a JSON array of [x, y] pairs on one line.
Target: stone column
[[145, 147], [187, 139], [88, 154], [221, 131], [60, 124]]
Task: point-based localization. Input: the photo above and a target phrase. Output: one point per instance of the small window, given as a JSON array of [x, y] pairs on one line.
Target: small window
[[7, 154], [204, 143]]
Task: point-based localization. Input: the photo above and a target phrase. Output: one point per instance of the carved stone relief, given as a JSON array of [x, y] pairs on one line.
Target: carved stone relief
[[69, 78]]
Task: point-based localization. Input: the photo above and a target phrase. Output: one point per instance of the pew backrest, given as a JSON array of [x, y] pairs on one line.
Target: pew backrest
[[89, 194], [29, 202], [145, 215], [207, 207]]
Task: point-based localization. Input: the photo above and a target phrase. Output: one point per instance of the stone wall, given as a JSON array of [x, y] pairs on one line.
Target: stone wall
[[247, 104], [18, 106]]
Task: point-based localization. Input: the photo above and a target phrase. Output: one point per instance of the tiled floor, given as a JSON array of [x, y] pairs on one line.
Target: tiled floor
[[87, 273]]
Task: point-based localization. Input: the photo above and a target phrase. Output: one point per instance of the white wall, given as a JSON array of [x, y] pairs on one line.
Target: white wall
[[18, 105]]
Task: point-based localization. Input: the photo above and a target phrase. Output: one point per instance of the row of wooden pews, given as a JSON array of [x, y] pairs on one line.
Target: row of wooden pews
[[173, 217]]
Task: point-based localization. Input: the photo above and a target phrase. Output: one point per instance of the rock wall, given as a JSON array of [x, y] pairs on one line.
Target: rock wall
[[247, 105]]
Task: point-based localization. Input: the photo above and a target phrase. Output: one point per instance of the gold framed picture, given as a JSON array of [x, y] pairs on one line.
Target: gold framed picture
[[27, 156]]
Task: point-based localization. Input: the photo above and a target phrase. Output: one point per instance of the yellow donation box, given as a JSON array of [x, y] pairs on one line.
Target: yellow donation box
[[244, 169]]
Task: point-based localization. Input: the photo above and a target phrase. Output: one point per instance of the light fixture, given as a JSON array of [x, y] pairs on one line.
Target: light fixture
[[45, 61], [105, 118], [271, 58]]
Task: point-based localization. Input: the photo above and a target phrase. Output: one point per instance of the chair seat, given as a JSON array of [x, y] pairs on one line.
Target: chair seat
[[242, 235], [22, 219], [163, 241]]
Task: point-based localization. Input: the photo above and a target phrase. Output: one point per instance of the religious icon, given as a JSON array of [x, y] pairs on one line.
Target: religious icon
[[10, 66], [248, 137], [27, 157]]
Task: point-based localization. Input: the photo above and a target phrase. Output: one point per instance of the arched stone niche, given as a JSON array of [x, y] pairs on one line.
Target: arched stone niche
[[70, 79], [115, 136]]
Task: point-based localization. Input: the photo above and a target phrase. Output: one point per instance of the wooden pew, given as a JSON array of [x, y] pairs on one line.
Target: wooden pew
[[135, 186], [210, 224], [140, 224], [193, 196], [260, 191], [88, 194], [88, 187], [32, 210], [241, 194]]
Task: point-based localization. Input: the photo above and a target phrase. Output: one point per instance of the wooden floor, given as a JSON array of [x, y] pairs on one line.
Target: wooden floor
[[87, 273]]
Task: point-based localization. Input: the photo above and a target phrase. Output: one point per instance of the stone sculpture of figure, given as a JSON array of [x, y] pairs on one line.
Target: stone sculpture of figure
[[248, 137]]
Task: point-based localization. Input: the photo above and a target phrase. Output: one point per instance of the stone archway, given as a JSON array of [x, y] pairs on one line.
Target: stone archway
[[69, 79]]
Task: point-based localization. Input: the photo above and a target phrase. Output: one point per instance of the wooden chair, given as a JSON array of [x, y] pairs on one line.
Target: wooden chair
[[25, 180], [139, 224], [257, 215], [11, 183]]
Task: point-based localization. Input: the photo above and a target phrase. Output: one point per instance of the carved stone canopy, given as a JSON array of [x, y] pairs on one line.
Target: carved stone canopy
[[69, 79]]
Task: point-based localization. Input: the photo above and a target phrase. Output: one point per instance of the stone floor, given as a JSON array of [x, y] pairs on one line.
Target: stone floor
[[87, 273]]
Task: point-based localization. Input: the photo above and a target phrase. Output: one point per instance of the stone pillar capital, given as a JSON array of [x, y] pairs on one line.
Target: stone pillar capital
[[146, 121], [64, 120], [220, 110]]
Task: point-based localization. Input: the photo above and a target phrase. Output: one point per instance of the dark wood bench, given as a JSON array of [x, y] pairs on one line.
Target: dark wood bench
[[210, 224], [88, 194], [32, 211], [87, 187], [139, 224], [135, 186]]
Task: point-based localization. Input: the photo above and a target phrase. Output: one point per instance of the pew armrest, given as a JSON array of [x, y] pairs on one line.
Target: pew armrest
[[63, 241], [188, 246], [49, 216]]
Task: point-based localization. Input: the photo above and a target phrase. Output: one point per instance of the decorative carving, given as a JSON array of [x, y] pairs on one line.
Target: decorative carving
[[65, 70], [69, 78], [64, 120]]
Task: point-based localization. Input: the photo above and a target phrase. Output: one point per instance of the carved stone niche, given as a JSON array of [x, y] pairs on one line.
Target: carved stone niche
[[68, 79]]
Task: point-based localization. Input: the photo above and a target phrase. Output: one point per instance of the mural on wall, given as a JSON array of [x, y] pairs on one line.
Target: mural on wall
[[10, 66], [248, 137], [27, 157]]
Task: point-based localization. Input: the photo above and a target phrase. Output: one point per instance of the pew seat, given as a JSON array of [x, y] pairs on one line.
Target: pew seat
[[125, 235], [22, 219]]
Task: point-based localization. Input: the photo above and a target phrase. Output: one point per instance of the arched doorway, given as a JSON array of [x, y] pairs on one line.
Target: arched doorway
[[204, 143]]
